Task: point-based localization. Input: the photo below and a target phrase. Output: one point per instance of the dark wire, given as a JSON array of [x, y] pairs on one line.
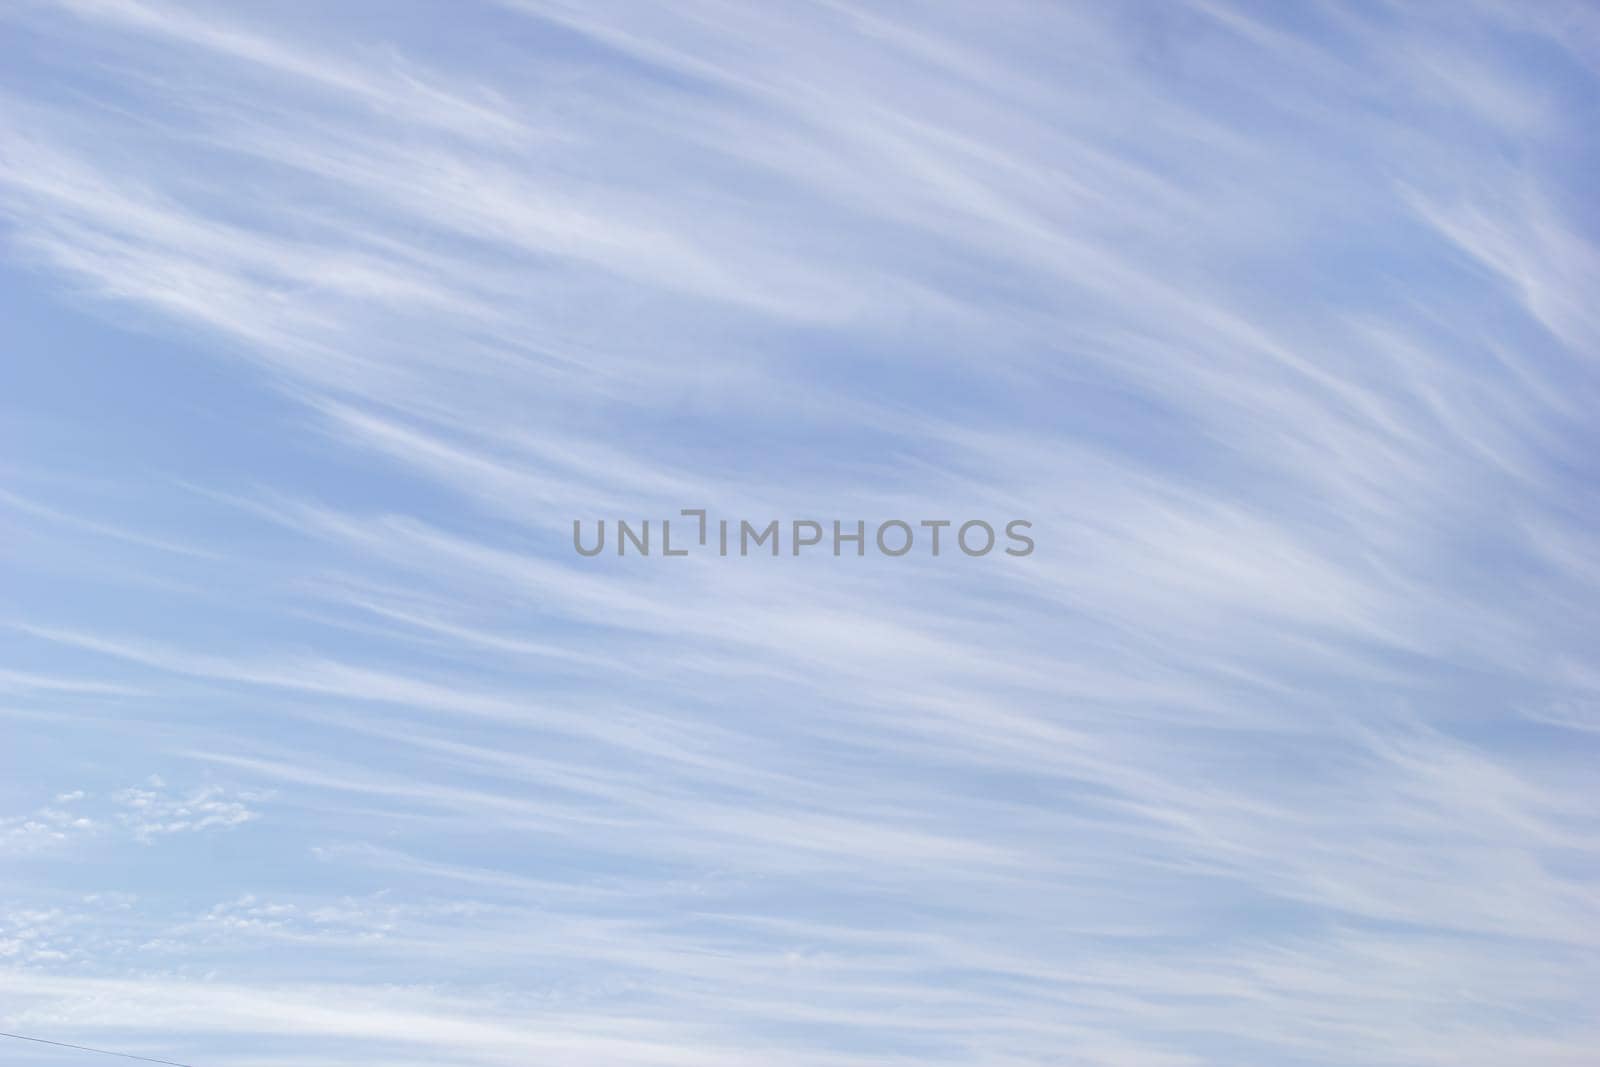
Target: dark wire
[[86, 1048]]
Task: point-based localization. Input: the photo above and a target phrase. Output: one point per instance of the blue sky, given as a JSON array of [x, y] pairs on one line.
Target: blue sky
[[321, 323]]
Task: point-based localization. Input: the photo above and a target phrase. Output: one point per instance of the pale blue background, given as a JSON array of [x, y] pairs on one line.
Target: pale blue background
[[320, 323]]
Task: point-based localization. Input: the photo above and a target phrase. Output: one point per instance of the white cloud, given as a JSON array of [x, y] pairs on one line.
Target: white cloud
[[1277, 324]]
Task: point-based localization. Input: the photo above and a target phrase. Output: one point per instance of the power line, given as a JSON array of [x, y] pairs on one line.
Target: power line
[[86, 1048]]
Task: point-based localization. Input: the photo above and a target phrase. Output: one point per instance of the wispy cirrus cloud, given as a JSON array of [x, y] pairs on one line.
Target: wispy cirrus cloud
[[1275, 322]]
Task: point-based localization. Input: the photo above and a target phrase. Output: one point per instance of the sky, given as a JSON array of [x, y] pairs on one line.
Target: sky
[[320, 324]]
